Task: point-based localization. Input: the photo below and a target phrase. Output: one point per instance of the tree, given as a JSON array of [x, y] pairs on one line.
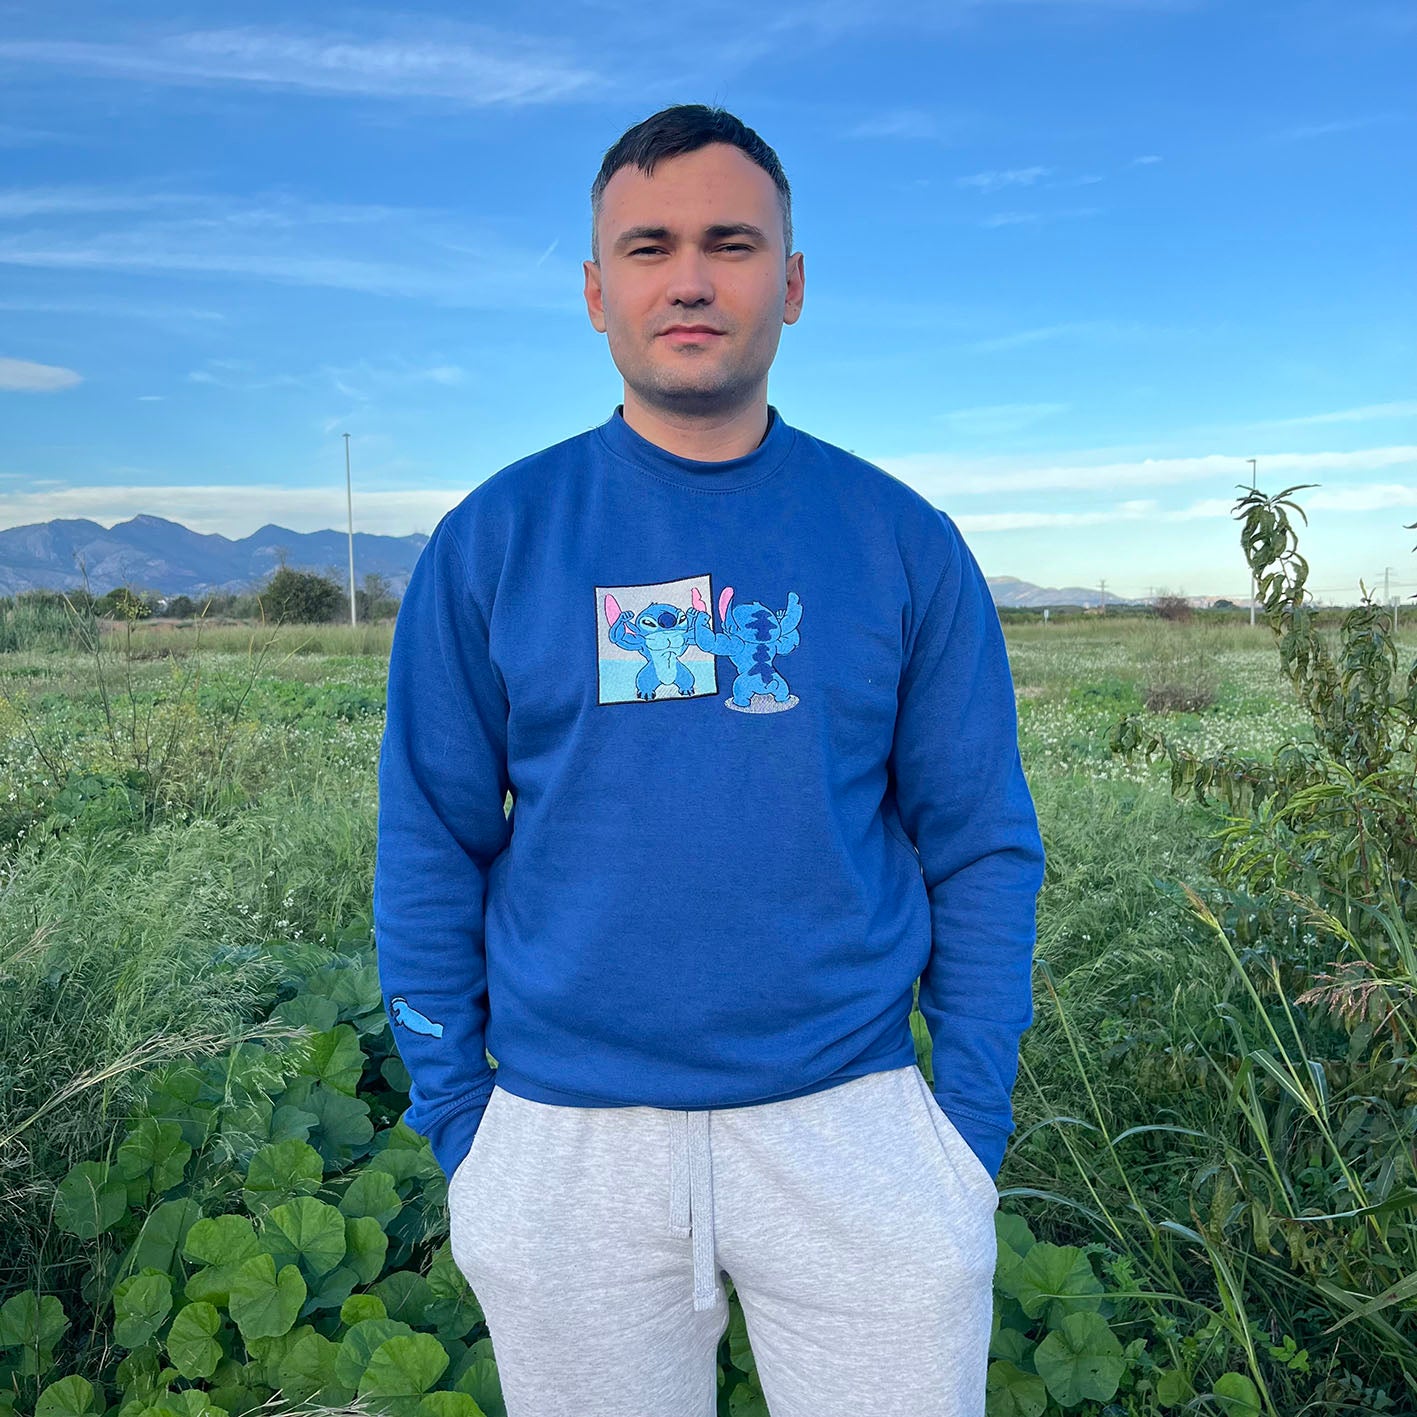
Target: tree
[[375, 599], [1173, 607], [301, 597], [122, 604]]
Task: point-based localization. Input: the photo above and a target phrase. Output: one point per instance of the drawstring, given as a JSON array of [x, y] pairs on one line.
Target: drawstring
[[691, 1197]]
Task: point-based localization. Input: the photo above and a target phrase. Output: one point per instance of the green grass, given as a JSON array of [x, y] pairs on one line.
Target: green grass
[[136, 923]]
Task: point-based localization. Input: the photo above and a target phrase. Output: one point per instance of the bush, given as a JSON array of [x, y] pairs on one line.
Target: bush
[[302, 597], [1179, 698]]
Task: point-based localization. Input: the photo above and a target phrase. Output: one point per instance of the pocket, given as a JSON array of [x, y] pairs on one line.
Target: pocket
[[957, 1152], [464, 1167]]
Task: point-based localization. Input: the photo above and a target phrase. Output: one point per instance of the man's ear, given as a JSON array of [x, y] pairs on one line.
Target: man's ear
[[594, 305], [796, 277]]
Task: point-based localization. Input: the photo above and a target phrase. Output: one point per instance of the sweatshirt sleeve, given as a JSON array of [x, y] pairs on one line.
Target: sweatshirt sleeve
[[966, 805], [441, 823]]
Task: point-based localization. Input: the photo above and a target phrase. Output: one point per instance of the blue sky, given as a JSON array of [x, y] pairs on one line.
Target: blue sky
[[1069, 263]]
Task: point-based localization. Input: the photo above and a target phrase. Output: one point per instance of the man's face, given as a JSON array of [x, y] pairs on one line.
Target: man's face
[[700, 243]]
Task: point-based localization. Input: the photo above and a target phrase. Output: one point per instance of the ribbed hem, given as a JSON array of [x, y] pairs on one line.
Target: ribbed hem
[[509, 1080]]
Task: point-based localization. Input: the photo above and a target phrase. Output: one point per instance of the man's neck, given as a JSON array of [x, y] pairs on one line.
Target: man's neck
[[713, 439]]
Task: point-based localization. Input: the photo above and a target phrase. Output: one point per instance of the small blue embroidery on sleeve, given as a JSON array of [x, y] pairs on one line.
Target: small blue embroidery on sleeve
[[403, 1013]]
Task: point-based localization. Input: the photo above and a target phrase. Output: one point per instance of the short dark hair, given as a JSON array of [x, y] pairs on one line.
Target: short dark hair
[[679, 129]]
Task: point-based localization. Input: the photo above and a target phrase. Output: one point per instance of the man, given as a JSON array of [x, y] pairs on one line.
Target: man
[[691, 949]]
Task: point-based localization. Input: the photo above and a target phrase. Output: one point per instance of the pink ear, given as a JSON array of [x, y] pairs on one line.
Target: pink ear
[[696, 599], [725, 595], [612, 608]]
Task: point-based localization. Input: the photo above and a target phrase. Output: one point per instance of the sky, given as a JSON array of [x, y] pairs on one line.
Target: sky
[[1069, 264]]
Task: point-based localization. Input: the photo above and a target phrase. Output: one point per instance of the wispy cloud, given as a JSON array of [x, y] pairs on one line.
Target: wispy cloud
[[112, 309], [995, 179], [1366, 414], [1303, 131], [13, 135], [943, 475], [414, 253], [21, 376], [999, 419], [466, 64], [913, 124], [233, 511], [1145, 160], [361, 382], [1365, 497], [1072, 329], [1036, 218]]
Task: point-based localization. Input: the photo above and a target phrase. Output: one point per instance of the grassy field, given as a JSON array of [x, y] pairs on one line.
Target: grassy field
[[196, 1078]]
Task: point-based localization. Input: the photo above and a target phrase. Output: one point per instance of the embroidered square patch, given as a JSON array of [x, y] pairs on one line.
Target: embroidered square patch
[[647, 648]]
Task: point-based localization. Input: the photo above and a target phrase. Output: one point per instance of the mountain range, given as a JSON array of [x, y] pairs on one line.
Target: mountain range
[[152, 553]]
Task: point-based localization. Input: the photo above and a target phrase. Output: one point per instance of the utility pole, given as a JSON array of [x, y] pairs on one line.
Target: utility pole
[[349, 507], [1254, 589], [1104, 597], [1387, 596]]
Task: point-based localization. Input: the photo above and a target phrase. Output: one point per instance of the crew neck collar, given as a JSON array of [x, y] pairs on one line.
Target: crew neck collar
[[729, 475]]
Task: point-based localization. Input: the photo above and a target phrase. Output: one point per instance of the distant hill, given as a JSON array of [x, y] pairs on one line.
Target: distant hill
[[152, 553], [1017, 595]]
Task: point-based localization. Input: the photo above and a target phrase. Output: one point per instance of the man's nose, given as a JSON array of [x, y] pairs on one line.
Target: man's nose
[[690, 281]]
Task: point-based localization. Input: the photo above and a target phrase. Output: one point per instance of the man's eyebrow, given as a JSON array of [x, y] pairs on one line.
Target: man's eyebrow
[[714, 233]]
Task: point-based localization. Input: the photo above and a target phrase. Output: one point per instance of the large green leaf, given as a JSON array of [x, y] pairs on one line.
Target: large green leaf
[[1053, 1280], [406, 1295], [335, 1058], [27, 1320], [401, 1370], [313, 1011], [366, 1246], [307, 1232], [358, 1345], [264, 1302], [373, 1193], [479, 1379], [192, 1343], [156, 1150], [1080, 1360], [449, 1404], [359, 1307], [141, 1305], [280, 1171], [307, 1366], [222, 1244], [159, 1243], [89, 1200], [452, 1308], [343, 1129], [221, 1239], [1236, 1395], [69, 1397], [353, 987], [1014, 1393]]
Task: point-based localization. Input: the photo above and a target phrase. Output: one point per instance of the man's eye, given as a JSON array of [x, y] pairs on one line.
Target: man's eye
[[639, 250], [738, 246]]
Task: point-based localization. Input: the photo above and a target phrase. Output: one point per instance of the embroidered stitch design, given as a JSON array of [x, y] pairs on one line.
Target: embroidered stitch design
[[406, 1016], [674, 647], [752, 637], [644, 651]]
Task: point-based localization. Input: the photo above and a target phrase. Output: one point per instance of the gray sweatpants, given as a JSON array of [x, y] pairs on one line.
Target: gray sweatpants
[[855, 1223]]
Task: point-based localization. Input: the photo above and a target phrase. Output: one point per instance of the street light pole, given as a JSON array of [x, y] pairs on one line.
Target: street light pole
[[349, 507], [1254, 589]]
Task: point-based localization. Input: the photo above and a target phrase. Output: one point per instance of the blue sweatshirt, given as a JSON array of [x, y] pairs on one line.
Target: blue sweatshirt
[[688, 907]]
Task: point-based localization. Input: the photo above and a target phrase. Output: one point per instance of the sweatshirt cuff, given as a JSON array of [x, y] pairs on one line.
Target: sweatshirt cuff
[[451, 1137], [984, 1139]]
